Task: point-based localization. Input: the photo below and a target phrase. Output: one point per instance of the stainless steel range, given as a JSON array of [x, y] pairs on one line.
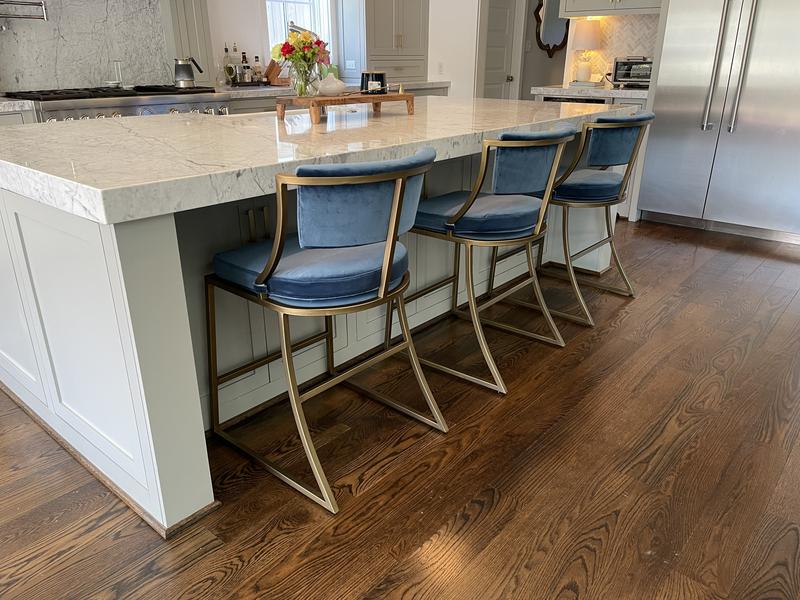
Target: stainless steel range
[[101, 103]]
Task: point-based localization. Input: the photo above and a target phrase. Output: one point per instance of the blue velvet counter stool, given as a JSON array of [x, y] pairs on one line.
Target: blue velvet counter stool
[[587, 183], [344, 258], [511, 215]]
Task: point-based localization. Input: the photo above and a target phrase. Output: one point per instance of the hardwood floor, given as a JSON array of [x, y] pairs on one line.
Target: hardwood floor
[[656, 456]]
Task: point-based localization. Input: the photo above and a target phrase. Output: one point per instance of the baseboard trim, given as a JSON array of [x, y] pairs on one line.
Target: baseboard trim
[[719, 227], [164, 532]]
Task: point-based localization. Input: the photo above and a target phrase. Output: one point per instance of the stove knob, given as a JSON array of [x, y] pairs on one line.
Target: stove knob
[[84, 117], [174, 111], [146, 111], [69, 118], [51, 120], [209, 111], [116, 115], [195, 111], [223, 110], [99, 116]]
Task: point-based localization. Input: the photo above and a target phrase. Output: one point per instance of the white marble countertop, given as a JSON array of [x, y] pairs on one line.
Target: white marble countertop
[[9, 105], [270, 92], [116, 170], [581, 92]]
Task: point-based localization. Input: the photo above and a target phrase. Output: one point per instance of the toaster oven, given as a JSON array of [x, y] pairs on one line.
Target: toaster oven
[[632, 71]]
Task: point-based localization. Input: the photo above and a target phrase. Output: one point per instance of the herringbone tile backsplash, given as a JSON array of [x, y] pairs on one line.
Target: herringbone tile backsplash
[[628, 35]]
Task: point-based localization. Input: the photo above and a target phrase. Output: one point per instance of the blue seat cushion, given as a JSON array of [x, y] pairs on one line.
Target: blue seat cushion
[[314, 277], [590, 185], [491, 217]]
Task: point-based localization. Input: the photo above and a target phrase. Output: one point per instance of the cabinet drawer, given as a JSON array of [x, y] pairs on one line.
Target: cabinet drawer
[[400, 70]]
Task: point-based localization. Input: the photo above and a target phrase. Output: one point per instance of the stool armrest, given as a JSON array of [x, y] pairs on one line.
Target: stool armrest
[[280, 230]]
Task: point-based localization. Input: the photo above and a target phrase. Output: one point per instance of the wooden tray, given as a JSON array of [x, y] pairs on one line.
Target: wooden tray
[[315, 103]]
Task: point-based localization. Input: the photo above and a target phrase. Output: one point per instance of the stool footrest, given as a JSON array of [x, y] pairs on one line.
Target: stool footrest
[[384, 399], [516, 330], [552, 272], [276, 470], [466, 377], [343, 376]]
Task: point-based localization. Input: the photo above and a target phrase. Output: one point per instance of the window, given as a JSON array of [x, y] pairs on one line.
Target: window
[[310, 14]]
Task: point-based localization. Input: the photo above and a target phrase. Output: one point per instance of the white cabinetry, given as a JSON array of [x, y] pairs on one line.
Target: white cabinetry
[[188, 34], [397, 38], [583, 8], [74, 349]]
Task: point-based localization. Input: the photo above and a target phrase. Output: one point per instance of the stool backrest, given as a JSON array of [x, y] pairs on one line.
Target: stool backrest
[[355, 207], [525, 163], [526, 169], [615, 145]]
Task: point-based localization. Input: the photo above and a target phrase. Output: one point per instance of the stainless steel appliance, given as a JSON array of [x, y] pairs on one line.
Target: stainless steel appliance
[[184, 73], [100, 103], [725, 148], [632, 72]]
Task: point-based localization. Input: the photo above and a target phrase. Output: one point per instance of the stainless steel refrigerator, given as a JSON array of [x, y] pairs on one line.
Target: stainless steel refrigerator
[[725, 146]]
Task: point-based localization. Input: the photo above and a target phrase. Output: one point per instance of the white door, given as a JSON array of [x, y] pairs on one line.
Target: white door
[[499, 46]]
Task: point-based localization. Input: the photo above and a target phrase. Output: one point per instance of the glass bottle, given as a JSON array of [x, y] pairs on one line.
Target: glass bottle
[[258, 71], [226, 66]]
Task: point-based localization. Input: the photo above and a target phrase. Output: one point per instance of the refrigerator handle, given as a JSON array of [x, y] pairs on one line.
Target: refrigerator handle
[[705, 125], [743, 71]]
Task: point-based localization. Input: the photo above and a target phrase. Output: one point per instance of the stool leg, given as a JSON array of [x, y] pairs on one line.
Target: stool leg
[[456, 274], [610, 230], [329, 345], [476, 322], [537, 292], [211, 349], [570, 269], [441, 425], [387, 327], [492, 272], [327, 499]]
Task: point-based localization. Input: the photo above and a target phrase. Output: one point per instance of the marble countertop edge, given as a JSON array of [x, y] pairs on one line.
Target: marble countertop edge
[[187, 177]]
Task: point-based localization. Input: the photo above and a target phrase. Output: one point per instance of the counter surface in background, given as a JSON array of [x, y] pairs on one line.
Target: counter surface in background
[[596, 92], [273, 92], [8, 105]]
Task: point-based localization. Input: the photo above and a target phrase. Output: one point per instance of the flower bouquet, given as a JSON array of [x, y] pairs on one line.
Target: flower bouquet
[[304, 54]]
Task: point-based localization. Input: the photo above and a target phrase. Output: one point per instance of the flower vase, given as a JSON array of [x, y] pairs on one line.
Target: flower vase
[[305, 79]]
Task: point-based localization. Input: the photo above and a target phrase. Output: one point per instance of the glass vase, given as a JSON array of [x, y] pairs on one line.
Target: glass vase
[[305, 79]]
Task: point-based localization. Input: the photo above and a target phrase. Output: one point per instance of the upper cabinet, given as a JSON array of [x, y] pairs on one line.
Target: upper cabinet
[[187, 30], [586, 8], [397, 38]]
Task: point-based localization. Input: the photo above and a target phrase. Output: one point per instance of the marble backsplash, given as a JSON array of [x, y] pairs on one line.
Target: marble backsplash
[[76, 46]]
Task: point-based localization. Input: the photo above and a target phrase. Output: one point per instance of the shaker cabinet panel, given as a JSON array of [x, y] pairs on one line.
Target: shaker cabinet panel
[[382, 28], [412, 17], [192, 36]]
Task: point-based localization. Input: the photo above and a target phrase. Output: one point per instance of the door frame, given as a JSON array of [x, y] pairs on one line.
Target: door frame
[[517, 50]]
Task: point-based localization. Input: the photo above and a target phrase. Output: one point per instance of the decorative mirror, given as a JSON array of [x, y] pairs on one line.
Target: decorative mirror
[[551, 30]]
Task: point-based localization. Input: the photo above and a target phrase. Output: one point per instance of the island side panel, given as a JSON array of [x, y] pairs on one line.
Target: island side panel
[[155, 299], [73, 304], [104, 311]]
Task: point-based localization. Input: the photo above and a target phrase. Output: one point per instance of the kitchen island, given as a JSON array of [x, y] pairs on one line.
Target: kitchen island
[[107, 228]]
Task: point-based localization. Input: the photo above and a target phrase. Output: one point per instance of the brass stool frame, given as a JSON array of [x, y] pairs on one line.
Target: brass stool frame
[[475, 308], [325, 496], [585, 317]]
